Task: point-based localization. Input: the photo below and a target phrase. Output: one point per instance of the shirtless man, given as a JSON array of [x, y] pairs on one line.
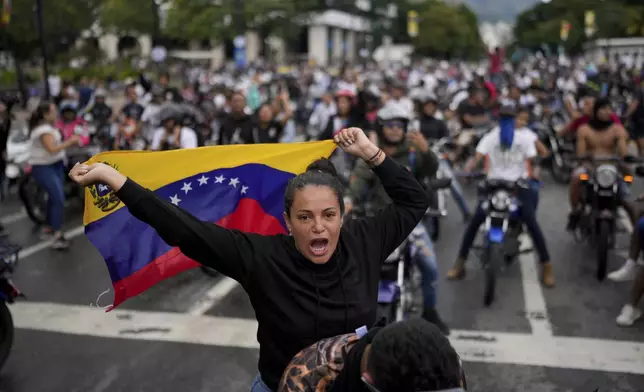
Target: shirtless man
[[587, 104], [600, 137]]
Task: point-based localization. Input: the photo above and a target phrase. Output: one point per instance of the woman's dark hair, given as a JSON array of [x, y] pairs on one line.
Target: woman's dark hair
[[413, 355], [319, 173], [38, 115]]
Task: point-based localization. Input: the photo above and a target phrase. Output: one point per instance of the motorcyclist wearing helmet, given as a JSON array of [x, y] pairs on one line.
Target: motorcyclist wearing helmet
[[412, 151], [101, 112], [509, 156], [172, 135], [70, 123]]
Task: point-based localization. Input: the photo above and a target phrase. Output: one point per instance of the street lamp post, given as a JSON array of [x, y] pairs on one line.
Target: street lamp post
[[43, 48]]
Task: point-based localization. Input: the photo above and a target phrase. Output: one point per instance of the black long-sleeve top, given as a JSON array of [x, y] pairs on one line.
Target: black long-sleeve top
[[296, 301]]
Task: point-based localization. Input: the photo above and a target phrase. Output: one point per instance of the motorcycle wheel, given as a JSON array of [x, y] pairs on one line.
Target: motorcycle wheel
[[494, 257], [34, 199], [6, 333], [210, 272], [603, 245]]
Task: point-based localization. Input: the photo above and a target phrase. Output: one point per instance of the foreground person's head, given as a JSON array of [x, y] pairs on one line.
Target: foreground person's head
[[313, 209], [411, 355]]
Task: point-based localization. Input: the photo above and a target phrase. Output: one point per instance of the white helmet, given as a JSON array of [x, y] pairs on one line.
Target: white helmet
[[393, 111]]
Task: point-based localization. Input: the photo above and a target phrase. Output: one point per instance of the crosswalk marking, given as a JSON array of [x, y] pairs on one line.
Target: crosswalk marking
[[473, 346], [218, 292], [535, 303]]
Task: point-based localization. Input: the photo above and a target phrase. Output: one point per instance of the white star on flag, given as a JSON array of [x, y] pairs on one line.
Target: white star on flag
[[187, 186], [219, 179], [175, 200], [203, 180], [244, 189], [234, 182], [103, 188]]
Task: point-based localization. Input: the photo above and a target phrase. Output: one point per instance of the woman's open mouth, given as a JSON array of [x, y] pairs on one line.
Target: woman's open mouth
[[319, 246]]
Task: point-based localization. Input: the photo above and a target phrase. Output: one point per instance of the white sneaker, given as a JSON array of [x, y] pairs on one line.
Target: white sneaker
[[625, 274], [628, 316]]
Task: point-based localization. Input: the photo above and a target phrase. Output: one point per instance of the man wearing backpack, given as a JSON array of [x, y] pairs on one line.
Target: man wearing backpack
[[410, 355]]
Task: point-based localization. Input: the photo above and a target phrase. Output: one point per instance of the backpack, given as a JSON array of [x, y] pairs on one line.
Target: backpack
[[316, 367]]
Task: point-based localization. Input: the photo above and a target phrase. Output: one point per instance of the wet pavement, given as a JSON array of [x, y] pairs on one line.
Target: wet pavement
[[196, 333]]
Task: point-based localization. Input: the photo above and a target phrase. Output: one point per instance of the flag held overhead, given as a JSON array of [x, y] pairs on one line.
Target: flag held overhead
[[238, 187]]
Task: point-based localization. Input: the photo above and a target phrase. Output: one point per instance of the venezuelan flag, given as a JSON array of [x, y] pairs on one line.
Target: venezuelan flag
[[238, 187]]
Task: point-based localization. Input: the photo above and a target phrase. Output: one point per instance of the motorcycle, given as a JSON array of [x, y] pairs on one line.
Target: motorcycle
[[561, 152], [17, 155], [439, 184], [501, 229], [599, 206], [399, 289], [100, 132], [34, 198], [8, 293]]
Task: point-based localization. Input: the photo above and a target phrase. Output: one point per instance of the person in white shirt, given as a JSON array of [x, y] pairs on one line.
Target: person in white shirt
[[509, 156], [47, 154], [319, 119], [172, 135], [398, 95]]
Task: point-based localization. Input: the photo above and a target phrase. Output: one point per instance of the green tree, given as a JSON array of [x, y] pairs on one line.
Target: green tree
[[541, 24], [202, 19], [130, 17], [448, 31], [196, 19], [63, 23]]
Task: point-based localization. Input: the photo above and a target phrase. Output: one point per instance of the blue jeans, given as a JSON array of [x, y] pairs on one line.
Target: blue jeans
[[259, 386], [532, 198], [422, 253], [455, 188], [526, 213], [51, 178]]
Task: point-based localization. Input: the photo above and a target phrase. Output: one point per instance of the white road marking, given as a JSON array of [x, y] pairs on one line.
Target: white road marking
[[624, 220], [473, 346], [33, 249], [13, 217], [535, 304], [17, 216], [125, 324], [218, 292]]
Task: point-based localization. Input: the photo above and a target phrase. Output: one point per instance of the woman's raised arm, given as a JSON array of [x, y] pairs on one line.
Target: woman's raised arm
[[230, 252], [393, 224]]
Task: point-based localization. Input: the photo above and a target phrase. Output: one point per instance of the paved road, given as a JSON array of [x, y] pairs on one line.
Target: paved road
[[195, 333]]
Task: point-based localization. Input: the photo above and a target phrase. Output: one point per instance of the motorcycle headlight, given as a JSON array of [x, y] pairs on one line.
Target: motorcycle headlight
[[606, 176], [12, 171], [501, 200]]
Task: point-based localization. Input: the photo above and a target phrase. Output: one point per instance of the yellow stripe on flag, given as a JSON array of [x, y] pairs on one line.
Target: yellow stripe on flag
[[153, 170]]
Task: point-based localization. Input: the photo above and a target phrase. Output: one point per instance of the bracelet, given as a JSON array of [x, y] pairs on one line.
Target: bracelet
[[375, 156], [372, 162]]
